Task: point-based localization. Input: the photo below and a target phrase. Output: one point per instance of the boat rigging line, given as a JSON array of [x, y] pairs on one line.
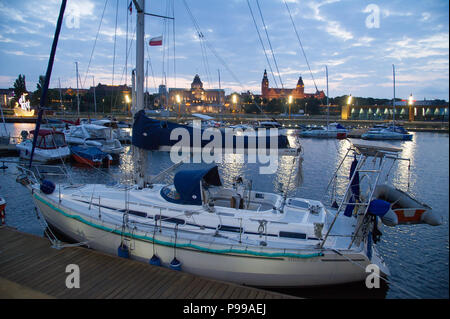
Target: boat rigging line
[[95, 43], [270, 44], [114, 54], [262, 44], [301, 45]]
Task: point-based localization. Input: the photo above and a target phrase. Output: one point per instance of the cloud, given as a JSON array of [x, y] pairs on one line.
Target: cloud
[[433, 45]]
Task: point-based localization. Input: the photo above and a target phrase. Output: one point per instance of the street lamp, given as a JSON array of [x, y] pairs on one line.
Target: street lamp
[[290, 103], [234, 100], [410, 100], [349, 100]]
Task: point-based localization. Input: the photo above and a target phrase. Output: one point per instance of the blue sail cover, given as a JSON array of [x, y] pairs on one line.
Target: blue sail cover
[[354, 187], [150, 134], [187, 185]]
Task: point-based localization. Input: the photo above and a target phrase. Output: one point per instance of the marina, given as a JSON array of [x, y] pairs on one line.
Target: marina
[[207, 193]]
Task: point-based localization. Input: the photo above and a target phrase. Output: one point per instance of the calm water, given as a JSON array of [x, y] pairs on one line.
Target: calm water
[[417, 255]]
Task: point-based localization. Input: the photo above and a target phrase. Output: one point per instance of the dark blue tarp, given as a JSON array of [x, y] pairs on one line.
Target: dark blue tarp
[[354, 187], [187, 185], [90, 153], [150, 134]]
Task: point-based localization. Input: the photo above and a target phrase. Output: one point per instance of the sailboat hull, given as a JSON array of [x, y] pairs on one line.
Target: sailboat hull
[[261, 270]]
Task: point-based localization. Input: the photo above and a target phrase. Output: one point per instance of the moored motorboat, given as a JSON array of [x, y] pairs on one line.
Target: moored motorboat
[[50, 147], [90, 155], [94, 135], [333, 130], [384, 132]]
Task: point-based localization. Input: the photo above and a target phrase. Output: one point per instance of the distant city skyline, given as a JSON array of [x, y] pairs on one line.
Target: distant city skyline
[[357, 40]]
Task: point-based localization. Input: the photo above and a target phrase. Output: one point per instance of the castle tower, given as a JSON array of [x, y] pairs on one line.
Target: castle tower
[[197, 83], [265, 85], [300, 88]]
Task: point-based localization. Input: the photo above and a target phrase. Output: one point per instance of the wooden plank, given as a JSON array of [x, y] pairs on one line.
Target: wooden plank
[[207, 293], [228, 292], [170, 277], [30, 261], [183, 294], [182, 284], [153, 282], [196, 288]]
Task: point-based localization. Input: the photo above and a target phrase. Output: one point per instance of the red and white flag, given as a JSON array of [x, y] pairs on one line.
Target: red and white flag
[[156, 41], [130, 7]]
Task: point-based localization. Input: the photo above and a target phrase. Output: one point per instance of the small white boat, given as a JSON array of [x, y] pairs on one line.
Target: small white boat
[[333, 130], [383, 132], [94, 135], [50, 147], [118, 133]]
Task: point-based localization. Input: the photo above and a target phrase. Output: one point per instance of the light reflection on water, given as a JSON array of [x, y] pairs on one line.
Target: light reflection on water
[[417, 255]]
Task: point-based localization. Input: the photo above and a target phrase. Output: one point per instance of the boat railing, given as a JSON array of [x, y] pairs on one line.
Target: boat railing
[[362, 153], [39, 172]]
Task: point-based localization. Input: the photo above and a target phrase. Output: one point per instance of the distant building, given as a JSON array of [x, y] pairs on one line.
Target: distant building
[[102, 90], [5, 96], [297, 93], [197, 99]]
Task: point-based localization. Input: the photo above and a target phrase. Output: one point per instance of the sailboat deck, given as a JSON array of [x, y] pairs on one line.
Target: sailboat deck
[[30, 268]]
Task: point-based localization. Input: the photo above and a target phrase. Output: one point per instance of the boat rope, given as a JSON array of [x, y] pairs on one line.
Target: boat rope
[[301, 45], [270, 44], [380, 277], [95, 43], [114, 55], [262, 44], [209, 46]]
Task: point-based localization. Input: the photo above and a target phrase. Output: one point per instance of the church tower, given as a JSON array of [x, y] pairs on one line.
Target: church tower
[[265, 85], [300, 88]]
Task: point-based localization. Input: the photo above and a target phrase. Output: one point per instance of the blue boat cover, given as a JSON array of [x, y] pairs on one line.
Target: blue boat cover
[[90, 153], [187, 185], [150, 134], [354, 187]]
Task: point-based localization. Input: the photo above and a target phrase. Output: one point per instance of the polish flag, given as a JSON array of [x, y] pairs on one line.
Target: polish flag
[[156, 41]]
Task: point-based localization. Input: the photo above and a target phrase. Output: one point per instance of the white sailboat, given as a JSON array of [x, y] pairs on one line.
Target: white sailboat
[[331, 130], [388, 132], [234, 234]]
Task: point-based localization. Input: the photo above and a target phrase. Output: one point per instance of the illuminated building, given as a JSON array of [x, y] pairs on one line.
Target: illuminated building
[[197, 99], [297, 93]]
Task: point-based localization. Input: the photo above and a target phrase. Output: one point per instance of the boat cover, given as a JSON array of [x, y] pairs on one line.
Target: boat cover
[[187, 184], [91, 153], [150, 134]]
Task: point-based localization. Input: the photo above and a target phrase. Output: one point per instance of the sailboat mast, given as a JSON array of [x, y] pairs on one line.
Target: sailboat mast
[[328, 104], [393, 102], [78, 95], [95, 98], [139, 155]]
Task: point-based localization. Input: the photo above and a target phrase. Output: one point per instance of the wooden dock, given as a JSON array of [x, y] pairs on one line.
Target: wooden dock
[[31, 268]]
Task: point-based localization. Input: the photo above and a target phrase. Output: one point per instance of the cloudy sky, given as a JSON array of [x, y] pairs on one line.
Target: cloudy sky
[[357, 40]]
